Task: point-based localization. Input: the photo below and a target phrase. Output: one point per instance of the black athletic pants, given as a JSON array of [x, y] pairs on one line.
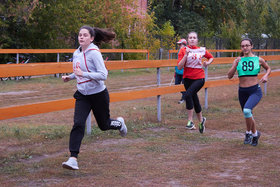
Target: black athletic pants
[[192, 86], [99, 104]]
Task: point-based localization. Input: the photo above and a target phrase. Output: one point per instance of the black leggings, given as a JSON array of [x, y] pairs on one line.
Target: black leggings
[[99, 104], [192, 86]]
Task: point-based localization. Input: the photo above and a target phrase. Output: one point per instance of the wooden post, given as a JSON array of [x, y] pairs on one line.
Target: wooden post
[[57, 60], [122, 59], [158, 97], [16, 78]]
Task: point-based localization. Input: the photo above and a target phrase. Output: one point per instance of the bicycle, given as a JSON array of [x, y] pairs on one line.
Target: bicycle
[[66, 59], [23, 60]]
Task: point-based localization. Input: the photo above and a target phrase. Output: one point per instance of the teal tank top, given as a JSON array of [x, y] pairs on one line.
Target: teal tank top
[[179, 72], [248, 66]]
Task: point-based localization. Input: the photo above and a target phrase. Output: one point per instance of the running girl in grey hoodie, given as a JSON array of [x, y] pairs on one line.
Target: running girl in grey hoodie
[[90, 72]]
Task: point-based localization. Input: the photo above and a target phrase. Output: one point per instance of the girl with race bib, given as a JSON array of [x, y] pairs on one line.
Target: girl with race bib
[[194, 78], [248, 66], [90, 72]]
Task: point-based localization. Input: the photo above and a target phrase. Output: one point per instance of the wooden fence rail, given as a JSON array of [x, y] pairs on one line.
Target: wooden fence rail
[[31, 69], [233, 50], [10, 70], [56, 105], [59, 51], [14, 51]]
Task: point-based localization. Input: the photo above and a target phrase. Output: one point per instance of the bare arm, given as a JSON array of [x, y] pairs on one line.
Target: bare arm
[[267, 68], [208, 62], [232, 70]]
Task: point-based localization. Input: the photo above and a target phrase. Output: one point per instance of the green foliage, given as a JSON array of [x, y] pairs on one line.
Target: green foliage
[[54, 24], [255, 10], [204, 17], [272, 21], [14, 16], [167, 34], [233, 32], [4, 39]]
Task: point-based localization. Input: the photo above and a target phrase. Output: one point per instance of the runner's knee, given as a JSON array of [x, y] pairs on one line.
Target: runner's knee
[[247, 112]]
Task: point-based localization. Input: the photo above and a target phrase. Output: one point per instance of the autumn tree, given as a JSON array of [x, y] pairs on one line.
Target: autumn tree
[[203, 16]]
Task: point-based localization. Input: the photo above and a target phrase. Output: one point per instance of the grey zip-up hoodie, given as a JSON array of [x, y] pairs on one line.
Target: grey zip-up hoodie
[[95, 73]]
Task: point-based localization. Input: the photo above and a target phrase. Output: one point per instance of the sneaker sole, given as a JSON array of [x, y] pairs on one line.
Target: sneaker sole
[[246, 143], [203, 127], [250, 142], [65, 166], [123, 133], [202, 130], [191, 128], [258, 140]]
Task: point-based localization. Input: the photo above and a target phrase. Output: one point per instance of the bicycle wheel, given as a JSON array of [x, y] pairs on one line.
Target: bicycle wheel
[[26, 77], [5, 78]]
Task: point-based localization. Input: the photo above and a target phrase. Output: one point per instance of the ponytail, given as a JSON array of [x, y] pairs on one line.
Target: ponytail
[[103, 35], [100, 35]]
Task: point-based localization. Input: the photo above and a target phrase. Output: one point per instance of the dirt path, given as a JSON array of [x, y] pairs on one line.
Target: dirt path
[[153, 154]]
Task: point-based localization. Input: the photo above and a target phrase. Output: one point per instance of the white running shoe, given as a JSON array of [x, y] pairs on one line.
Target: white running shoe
[[123, 130], [181, 101], [71, 164]]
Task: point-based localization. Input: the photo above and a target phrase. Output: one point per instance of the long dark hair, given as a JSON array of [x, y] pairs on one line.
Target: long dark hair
[[100, 35], [245, 39]]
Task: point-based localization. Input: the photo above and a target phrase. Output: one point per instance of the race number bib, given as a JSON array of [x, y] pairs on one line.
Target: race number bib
[[194, 59], [248, 66]]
